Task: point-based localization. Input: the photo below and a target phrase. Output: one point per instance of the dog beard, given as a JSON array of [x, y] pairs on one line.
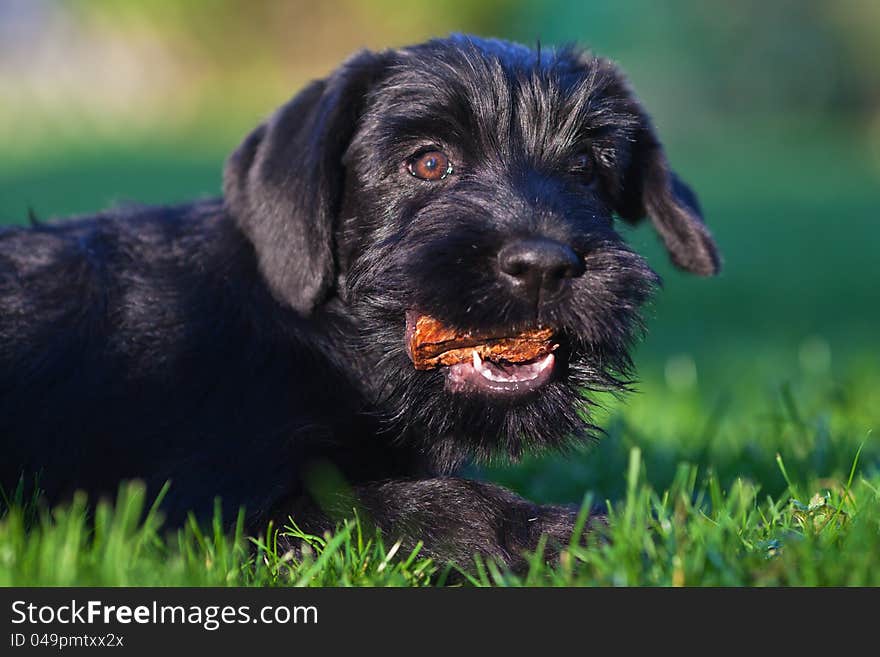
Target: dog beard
[[594, 326]]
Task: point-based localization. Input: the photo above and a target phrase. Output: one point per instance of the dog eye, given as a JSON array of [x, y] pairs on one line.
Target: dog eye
[[431, 165], [582, 166]]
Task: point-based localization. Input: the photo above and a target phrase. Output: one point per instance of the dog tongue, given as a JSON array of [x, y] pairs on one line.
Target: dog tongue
[[431, 344]]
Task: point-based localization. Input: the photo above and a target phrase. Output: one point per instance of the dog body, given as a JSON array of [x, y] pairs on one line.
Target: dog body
[[254, 348]]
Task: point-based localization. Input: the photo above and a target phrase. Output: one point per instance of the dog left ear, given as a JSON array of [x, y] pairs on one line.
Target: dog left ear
[[651, 188], [648, 187], [283, 185]]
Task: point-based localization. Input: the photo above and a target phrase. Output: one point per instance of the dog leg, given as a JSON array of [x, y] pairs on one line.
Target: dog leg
[[454, 518]]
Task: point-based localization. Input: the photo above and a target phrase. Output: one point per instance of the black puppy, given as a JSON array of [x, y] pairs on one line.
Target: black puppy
[[255, 347]]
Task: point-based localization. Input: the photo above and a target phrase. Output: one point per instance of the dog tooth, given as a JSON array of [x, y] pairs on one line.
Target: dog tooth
[[517, 373], [481, 369]]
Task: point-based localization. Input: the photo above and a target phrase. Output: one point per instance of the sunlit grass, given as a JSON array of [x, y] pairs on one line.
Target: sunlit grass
[[784, 492]]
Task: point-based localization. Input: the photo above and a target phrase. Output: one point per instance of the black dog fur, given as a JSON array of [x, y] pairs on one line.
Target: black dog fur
[[252, 347]]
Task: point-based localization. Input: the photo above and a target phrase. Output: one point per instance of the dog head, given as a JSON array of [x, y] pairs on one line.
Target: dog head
[[477, 183]]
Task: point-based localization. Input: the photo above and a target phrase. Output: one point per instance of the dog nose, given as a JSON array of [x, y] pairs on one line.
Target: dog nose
[[540, 265]]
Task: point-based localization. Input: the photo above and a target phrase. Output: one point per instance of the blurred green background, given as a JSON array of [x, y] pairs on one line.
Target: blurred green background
[[771, 110]]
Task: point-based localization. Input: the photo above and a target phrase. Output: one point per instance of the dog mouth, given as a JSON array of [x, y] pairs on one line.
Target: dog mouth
[[500, 378], [500, 363]]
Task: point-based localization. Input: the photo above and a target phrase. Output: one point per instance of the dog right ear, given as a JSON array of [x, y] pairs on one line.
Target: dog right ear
[[283, 185]]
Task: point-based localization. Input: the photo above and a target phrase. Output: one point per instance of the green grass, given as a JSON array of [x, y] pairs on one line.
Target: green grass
[[784, 492]]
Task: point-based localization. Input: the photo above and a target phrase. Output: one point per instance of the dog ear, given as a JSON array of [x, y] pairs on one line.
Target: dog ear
[[283, 185], [648, 187]]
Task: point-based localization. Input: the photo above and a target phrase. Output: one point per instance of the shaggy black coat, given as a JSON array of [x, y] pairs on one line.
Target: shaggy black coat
[[252, 347]]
